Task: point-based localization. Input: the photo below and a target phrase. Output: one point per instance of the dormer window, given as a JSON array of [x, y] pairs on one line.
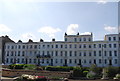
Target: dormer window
[[84, 39], [80, 39], [114, 38], [109, 38], [65, 39], [75, 39]]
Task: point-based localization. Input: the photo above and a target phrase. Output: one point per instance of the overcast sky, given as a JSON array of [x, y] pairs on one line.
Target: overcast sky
[[34, 20]]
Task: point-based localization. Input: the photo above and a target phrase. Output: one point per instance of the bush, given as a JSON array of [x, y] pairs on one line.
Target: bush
[[85, 73], [57, 68], [22, 66], [91, 75], [77, 72], [112, 71], [16, 66], [29, 66], [95, 69]]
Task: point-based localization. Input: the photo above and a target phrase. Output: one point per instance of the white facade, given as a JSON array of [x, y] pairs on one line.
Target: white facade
[[73, 51]]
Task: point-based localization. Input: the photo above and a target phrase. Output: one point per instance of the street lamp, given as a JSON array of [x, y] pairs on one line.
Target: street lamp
[[104, 76]]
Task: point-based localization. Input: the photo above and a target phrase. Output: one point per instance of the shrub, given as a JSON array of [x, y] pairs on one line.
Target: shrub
[[91, 75], [112, 71], [85, 73], [57, 68], [16, 66], [22, 66], [29, 66], [77, 72]]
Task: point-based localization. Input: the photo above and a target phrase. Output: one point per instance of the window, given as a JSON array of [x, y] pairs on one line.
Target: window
[[30, 46], [23, 46], [80, 54], [79, 46], [34, 60], [109, 38], [52, 46], [94, 53], [61, 60], [70, 61], [90, 61], [84, 61], [115, 46], [42, 60], [47, 61], [61, 46], [19, 47], [23, 53], [48, 46], [56, 61], [94, 45], [89, 53], [65, 45], [35, 46], [80, 39], [61, 53], [75, 39], [56, 46], [18, 53], [89, 46], [7, 60], [39, 46], [43, 46], [104, 45], [75, 46], [110, 53], [94, 61], [56, 53], [115, 61], [84, 39], [52, 53], [22, 60], [12, 47], [65, 53], [115, 53], [105, 61], [18, 60], [43, 53], [99, 53], [100, 61], [105, 53], [84, 46], [11, 60], [7, 53], [110, 45], [65, 39], [8, 47], [70, 53], [29, 60], [75, 61], [114, 38], [99, 45], [75, 53], [84, 53], [70, 46], [89, 39]]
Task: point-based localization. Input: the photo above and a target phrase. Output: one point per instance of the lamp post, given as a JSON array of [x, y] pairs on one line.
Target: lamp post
[[104, 76]]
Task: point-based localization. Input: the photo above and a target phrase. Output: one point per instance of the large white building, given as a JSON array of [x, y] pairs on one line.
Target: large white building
[[73, 51]]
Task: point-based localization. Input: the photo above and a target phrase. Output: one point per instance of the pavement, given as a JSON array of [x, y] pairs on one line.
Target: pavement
[[11, 79]]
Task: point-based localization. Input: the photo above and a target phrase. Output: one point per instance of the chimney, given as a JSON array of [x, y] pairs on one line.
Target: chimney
[[53, 39]]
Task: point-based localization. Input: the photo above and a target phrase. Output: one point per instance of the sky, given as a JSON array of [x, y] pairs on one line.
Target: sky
[[34, 19]]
